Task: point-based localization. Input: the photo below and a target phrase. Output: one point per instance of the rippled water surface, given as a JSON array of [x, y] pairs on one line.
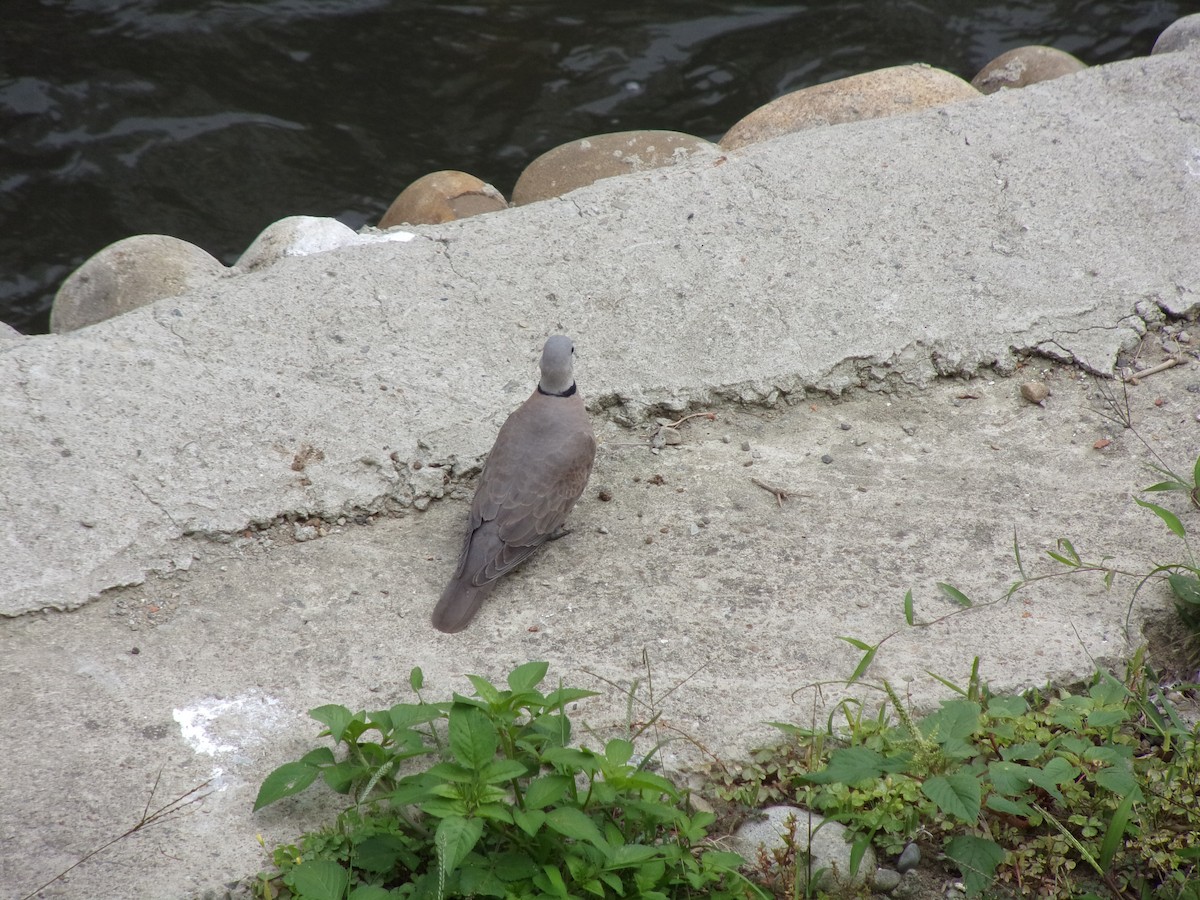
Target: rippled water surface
[[208, 121]]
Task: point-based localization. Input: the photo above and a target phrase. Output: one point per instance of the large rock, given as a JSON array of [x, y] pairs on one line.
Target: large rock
[[1024, 66], [580, 163], [443, 197], [871, 95], [1179, 35], [8, 333], [304, 236], [128, 274]]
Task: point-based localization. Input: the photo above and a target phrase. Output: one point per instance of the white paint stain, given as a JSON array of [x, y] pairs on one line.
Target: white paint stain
[[226, 728]]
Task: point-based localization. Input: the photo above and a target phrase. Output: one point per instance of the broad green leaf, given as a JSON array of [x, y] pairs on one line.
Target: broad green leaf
[[629, 855], [380, 852], [475, 881], [955, 594], [618, 751], [529, 821], [1108, 691], [977, 859], [1169, 518], [850, 766], [342, 776], [1013, 779], [547, 789], [320, 879], [485, 690], [500, 770], [513, 865], [1185, 587], [1007, 707], [955, 720], [416, 678], [444, 808], [405, 715], [290, 778], [454, 839], [1119, 779], [494, 810], [413, 789], [334, 717], [473, 739], [551, 881], [648, 781], [723, 860], [370, 892], [573, 759], [527, 677], [572, 823], [957, 794], [1010, 807], [563, 696], [1107, 718]]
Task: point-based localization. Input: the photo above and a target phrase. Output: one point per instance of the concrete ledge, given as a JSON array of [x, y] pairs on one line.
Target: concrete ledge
[[919, 258]]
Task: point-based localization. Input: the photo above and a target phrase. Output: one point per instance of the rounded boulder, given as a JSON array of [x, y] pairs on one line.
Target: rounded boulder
[[871, 95], [1180, 34], [443, 197], [130, 273], [1024, 66], [295, 236], [580, 163]]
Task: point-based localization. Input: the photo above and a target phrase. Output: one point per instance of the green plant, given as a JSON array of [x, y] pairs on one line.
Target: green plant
[[509, 809], [1183, 577], [1047, 794]]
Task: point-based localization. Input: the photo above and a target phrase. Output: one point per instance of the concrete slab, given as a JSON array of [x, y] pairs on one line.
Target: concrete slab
[[889, 276]]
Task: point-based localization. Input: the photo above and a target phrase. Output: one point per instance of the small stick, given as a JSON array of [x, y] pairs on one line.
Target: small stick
[[710, 416], [781, 494], [1135, 377]]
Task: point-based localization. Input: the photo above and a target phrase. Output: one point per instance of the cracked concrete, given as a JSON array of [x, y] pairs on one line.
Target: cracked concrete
[[187, 480]]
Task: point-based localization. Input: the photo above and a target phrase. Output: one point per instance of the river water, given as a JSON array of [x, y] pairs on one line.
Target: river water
[[210, 120]]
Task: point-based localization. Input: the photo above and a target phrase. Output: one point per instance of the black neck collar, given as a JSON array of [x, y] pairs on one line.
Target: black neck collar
[[567, 393]]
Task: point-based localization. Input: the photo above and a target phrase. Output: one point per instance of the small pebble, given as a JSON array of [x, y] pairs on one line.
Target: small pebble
[[726, 439], [745, 445], [1183, 337], [885, 880], [910, 858], [1035, 392], [304, 532], [693, 529], [845, 426], [826, 458], [909, 428]]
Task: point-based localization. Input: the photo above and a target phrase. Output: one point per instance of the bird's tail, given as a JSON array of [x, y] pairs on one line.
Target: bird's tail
[[459, 603]]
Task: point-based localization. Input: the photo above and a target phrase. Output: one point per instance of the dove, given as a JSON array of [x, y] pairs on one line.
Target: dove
[[534, 473]]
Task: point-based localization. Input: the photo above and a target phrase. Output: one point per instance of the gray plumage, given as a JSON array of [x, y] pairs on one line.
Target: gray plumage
[[535, 472]]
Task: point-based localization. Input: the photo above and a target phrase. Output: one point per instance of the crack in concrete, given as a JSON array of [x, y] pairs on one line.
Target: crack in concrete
[[157, 505]]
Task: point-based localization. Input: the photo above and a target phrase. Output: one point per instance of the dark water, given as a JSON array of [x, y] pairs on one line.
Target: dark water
[[210, 120]]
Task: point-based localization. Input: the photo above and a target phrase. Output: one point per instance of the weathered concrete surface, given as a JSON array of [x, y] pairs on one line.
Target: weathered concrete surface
[[916, 257]]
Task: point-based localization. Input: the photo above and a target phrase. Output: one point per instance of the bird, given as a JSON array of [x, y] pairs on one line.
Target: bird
[[536, 470]]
